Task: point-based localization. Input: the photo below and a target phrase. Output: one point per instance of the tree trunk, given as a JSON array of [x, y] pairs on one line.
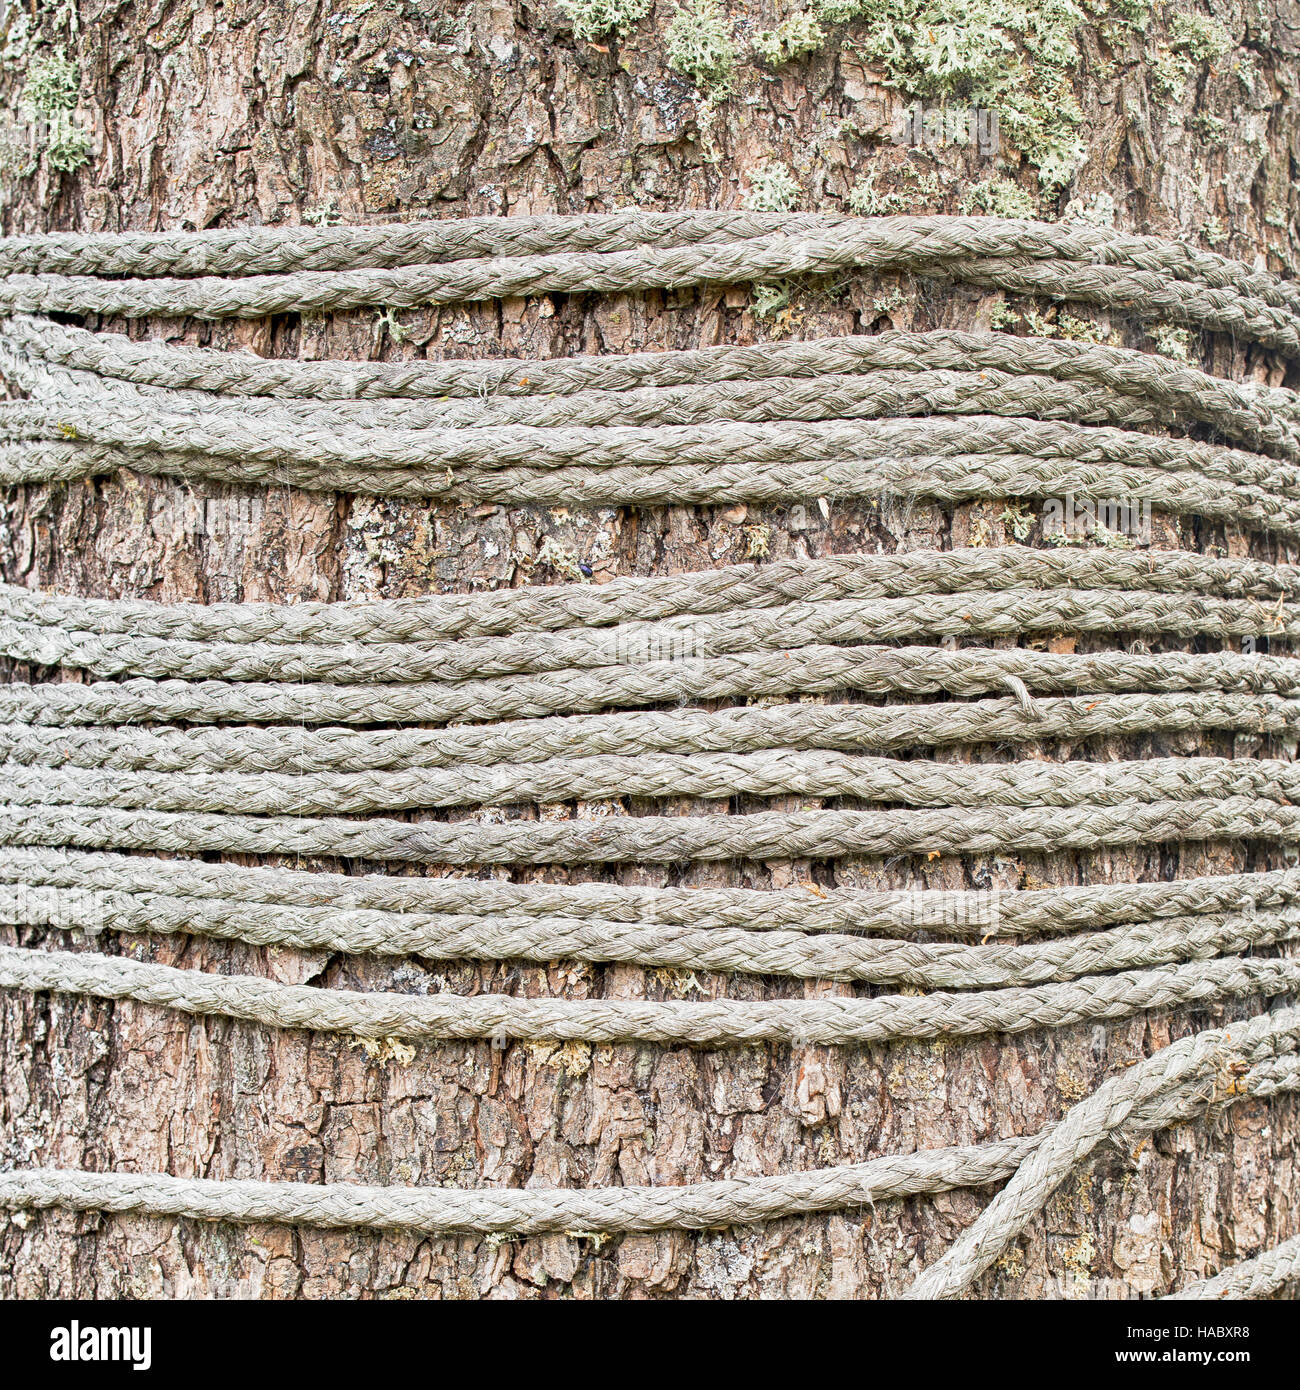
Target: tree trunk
[[248, 114]]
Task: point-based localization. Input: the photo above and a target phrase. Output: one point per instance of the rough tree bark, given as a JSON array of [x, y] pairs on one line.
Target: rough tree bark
[[245, 113]]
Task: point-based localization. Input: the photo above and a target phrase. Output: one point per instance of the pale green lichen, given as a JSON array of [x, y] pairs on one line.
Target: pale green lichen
[[1018, 519], [1173, 342], [677, 981], [758, 541], [793, 38], [67, 146], [1081, 330], [49, 99], [1008, 56], [1204, 39], [387, 1049], [1194, 39], [17, 158], [1117, 19], [1100, 212], [700, 46], [51, 85], [1003, 317], [772, 302], [999, 197], [573, 1058], [866, 200], [598, 1238], [769, 300], [16, 37], [323, 215], [389, 323], [1064, 326], [592, 19], [554, 555], [1211, 129], [772, 189], [888, 304]]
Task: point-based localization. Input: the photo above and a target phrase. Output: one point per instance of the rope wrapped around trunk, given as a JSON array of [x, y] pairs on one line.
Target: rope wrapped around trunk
[[397, 731]]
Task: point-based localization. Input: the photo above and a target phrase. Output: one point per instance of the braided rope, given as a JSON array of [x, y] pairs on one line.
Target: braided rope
[[710, 1023], [257, 250], [708, 776], [870, 670], [953, 417], [810, 381], [187, 435], [550, 608], [104, 418], [694, 1206], [694, 460], [950, 479], [765, 835], [1255, 1278], [244, 251], [1020, 456], [1261, 416], [1254, 410], [891, 913], [813, 418], [847, 727], [729, 950], [981, 251], [885, 392], [1078, 1134], [788, 628]]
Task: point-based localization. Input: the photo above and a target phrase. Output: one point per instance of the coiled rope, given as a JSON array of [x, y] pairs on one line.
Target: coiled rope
[[260, 250], [732, 950], [1010, 432], [660, 839], [667, 387], [788, 628], [820, 670], [707, 776], [634, 600], [313, 770], [850, 728]]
